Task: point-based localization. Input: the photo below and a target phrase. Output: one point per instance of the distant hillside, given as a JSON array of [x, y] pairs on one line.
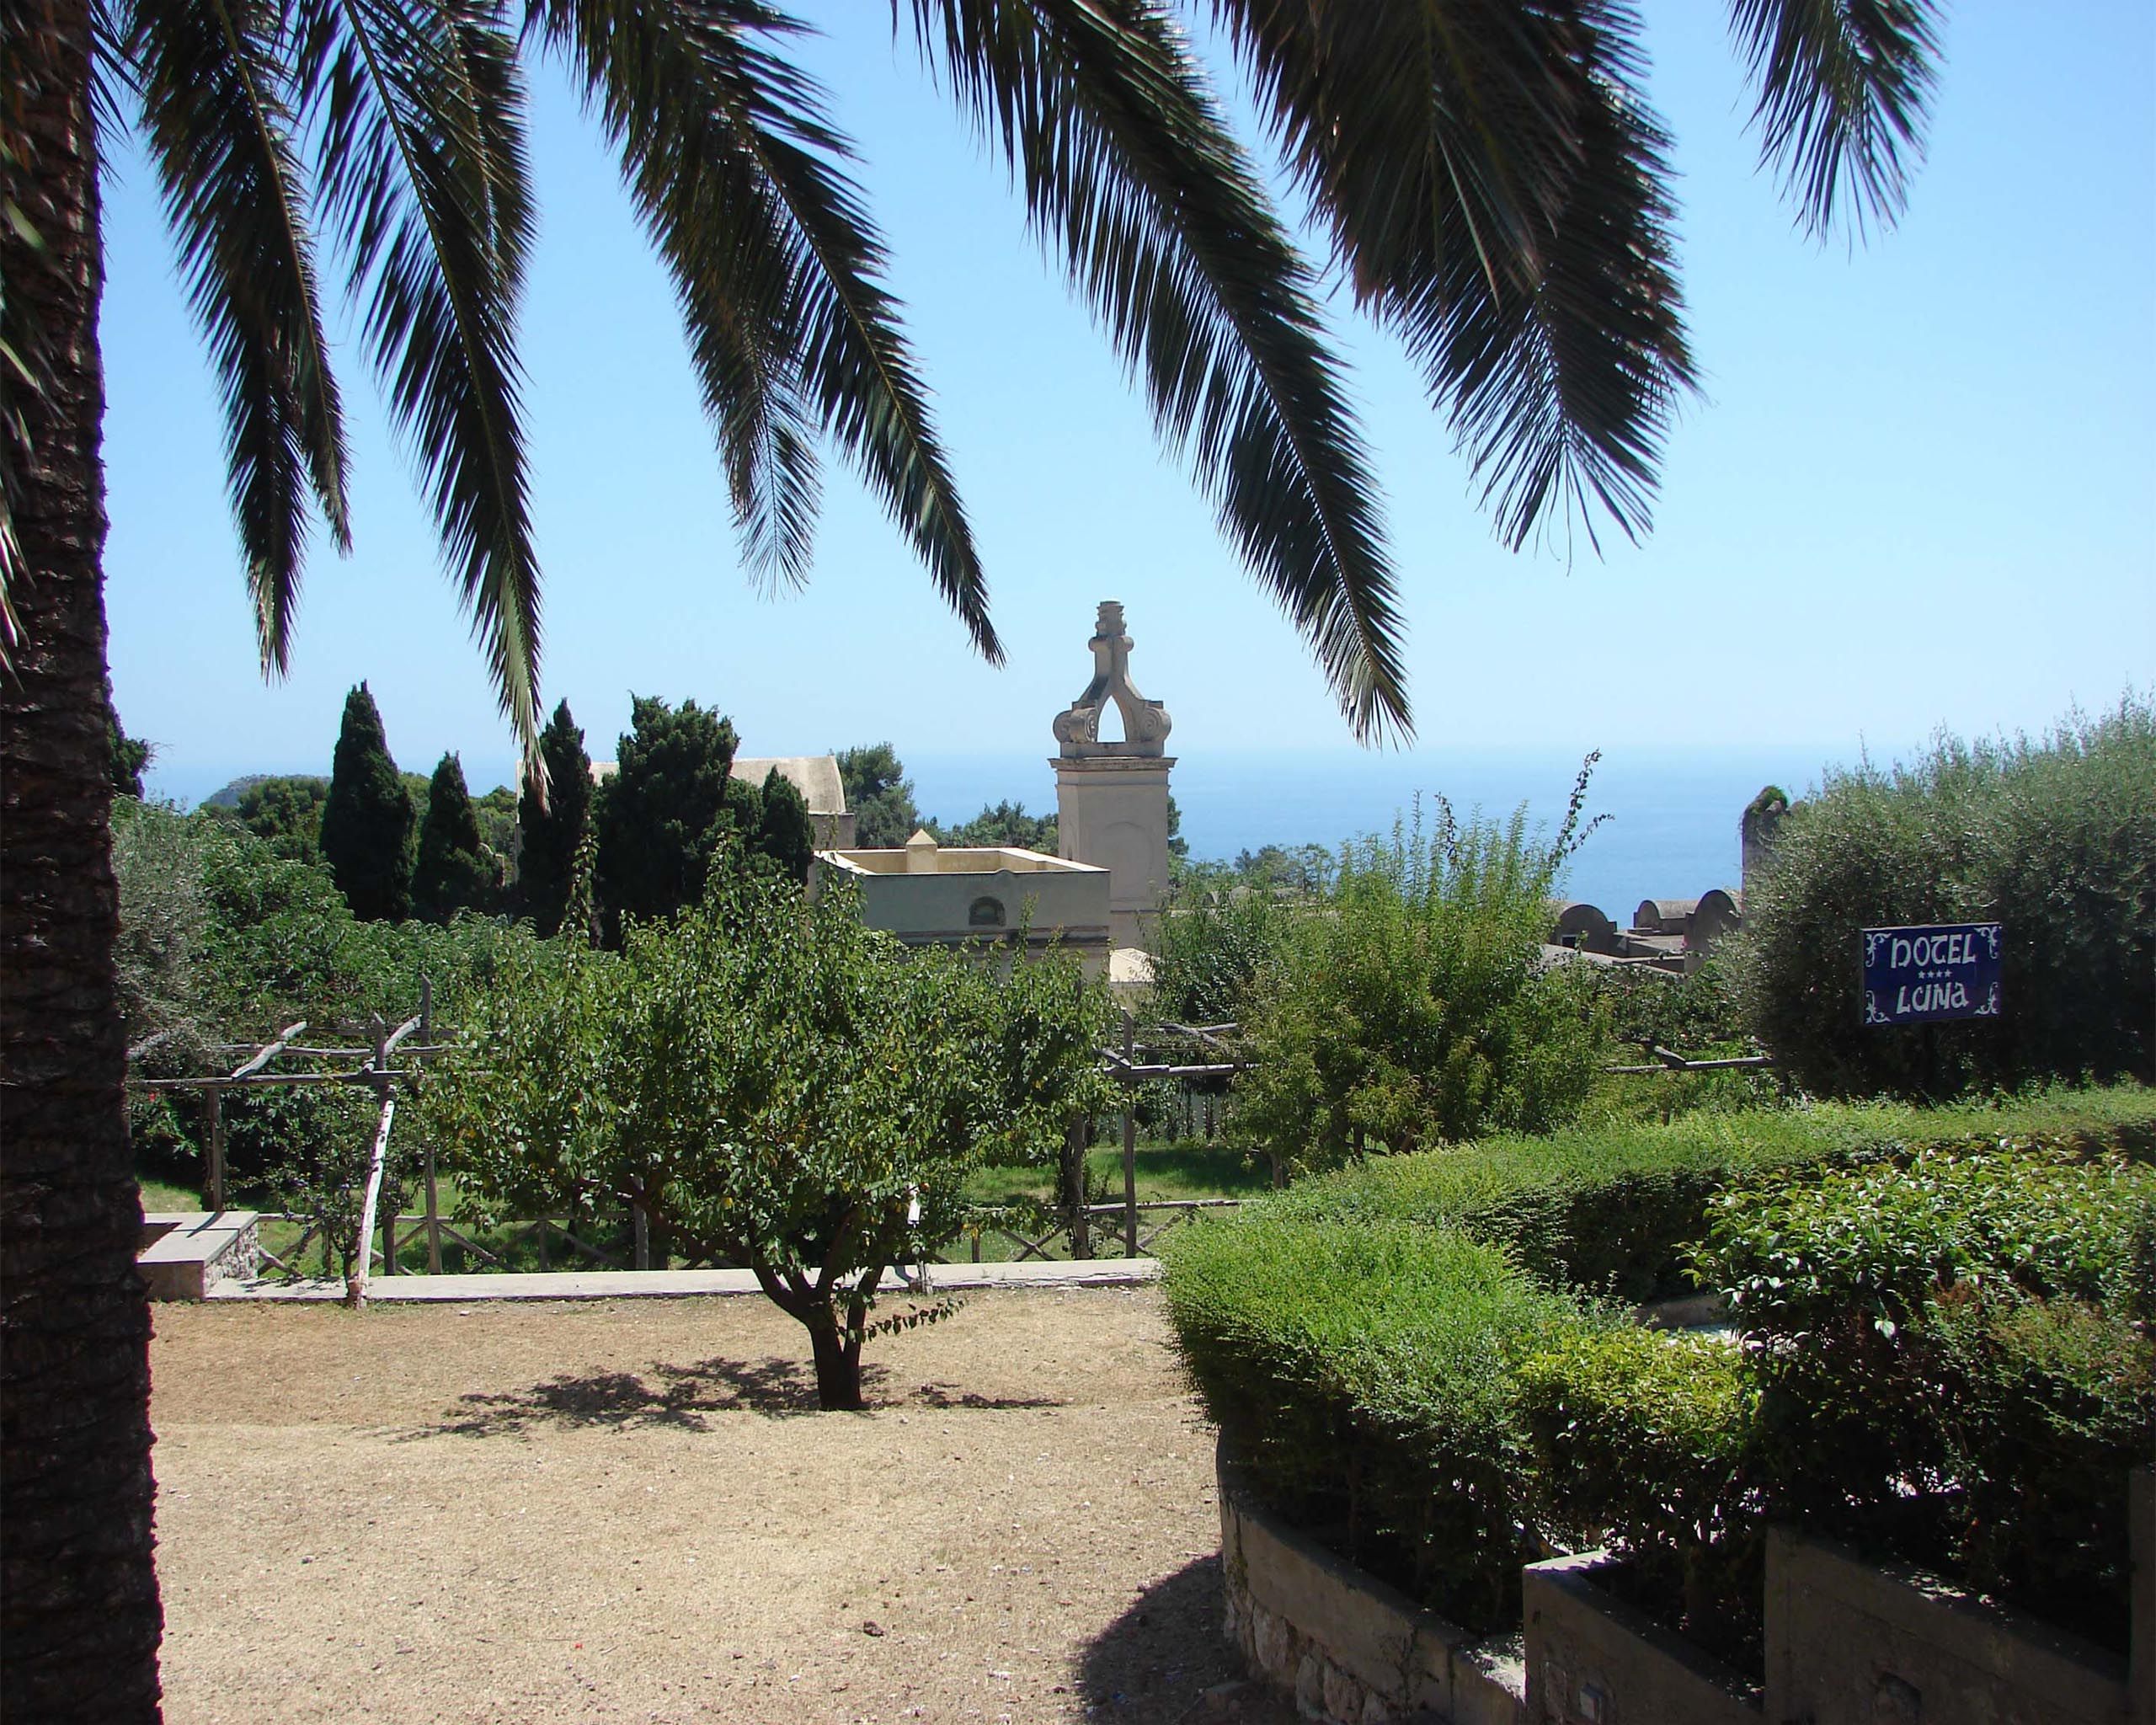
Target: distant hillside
[[229, 796]]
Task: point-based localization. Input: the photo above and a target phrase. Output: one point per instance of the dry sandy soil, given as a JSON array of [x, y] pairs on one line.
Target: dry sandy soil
[[631, 1510]]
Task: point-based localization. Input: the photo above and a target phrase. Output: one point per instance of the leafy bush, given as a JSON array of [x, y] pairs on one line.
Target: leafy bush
[[1695, 1013], [1211, 943], [2048, 1403], [1948, 1360], [2056, 839], [1412, 1006], [1616, 1209], [1363, 1377], [1409, 1395], [1641, 1442], [224, 940]]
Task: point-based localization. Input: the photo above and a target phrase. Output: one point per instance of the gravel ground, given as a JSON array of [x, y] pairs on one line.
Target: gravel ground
[[631, 1510]]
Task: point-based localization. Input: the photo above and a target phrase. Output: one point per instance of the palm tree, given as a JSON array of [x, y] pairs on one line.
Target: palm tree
[[1494, 185]]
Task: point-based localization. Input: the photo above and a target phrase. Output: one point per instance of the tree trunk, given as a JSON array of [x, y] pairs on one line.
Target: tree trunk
[[79, 1616], [838, 1370]]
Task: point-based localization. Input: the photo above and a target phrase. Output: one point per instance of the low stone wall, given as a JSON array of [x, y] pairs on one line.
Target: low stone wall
[[1847, 1644], [1351, 1650], [1848, 1641], [1592, 1659]]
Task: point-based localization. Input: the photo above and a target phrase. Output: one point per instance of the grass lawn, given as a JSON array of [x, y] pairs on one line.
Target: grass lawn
[[1165, 1171], [163, 1194]]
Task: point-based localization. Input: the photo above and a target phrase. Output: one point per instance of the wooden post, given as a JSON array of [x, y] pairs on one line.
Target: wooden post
[[216, 1183], [381, 1095], [1074, 1182], [434, 1218], [355, 1286], [1129, 1144]]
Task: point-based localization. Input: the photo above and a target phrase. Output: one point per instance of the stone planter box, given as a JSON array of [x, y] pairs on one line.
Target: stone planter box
[[1592, 1659], [1847, 1644], [1848, 1641], [1350, 1649]]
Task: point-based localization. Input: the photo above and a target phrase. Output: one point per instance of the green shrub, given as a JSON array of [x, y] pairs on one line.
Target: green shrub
[[2049, 1403], [1212, 940], [1410, 1005], [1616, 1209], [224, 940], [1948, 1364], [1640, 1442], [1877, 1244], [1397, 1385], [1363, 1377], [2056, 839]]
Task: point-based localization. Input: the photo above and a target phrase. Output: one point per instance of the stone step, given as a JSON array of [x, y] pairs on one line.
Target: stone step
[[185, 1254]]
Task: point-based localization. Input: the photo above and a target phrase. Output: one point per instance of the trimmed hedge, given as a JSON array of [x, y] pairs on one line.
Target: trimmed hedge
[[1364, 1377], [1395, 1354], [1614, 1209], [1641, 1439]]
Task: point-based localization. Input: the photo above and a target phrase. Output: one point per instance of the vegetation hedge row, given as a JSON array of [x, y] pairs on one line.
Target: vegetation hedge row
[[1955, 1362], [1363, 1376], [2056, 839], [1613, 1208], [1405, 1363]]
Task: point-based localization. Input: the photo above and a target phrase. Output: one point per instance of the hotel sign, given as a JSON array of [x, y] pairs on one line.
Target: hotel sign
[[1920, 975]]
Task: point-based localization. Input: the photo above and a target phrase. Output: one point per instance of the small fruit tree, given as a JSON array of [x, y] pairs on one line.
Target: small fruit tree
[[773, 1085]]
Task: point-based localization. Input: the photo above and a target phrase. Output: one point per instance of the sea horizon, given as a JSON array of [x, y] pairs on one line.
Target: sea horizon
[[1671, 830], [1672, 810]]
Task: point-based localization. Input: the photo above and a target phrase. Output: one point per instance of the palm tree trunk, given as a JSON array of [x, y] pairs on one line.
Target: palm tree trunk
[[79, 1615]]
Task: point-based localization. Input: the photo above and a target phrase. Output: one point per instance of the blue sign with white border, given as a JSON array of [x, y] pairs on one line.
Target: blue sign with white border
[[1942, 970]]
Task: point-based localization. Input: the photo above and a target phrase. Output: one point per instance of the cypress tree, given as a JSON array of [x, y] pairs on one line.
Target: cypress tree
[[547, 864], [366, 823], [665, 807], [452, 873], [784, 833]]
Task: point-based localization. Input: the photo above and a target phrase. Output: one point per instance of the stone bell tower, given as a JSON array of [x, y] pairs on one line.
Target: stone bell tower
[[1112, 799]]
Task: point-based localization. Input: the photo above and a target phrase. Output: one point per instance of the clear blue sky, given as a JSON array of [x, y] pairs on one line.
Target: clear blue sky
[[1918, 491]]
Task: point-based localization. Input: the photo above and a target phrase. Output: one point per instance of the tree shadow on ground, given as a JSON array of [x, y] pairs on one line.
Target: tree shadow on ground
[[949, 1396], [661, 1394], [682, 1396], [1156, 1663]]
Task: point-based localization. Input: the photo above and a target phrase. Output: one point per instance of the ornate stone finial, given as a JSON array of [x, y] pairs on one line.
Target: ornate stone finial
[[1145, 724]]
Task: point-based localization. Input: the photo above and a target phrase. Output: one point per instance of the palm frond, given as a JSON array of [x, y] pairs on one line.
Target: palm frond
[[1844, 88], [1495, 182], [418, 108], [211, 80], [737, 172], [1129, 171]]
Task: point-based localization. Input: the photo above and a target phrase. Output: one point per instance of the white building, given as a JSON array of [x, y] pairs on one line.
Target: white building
[[1100, 896]]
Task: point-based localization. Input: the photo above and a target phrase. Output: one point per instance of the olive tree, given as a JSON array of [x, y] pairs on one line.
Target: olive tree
[[773, 1085]]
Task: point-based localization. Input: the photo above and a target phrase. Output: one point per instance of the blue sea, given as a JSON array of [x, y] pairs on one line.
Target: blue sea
[[1671, 830]]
